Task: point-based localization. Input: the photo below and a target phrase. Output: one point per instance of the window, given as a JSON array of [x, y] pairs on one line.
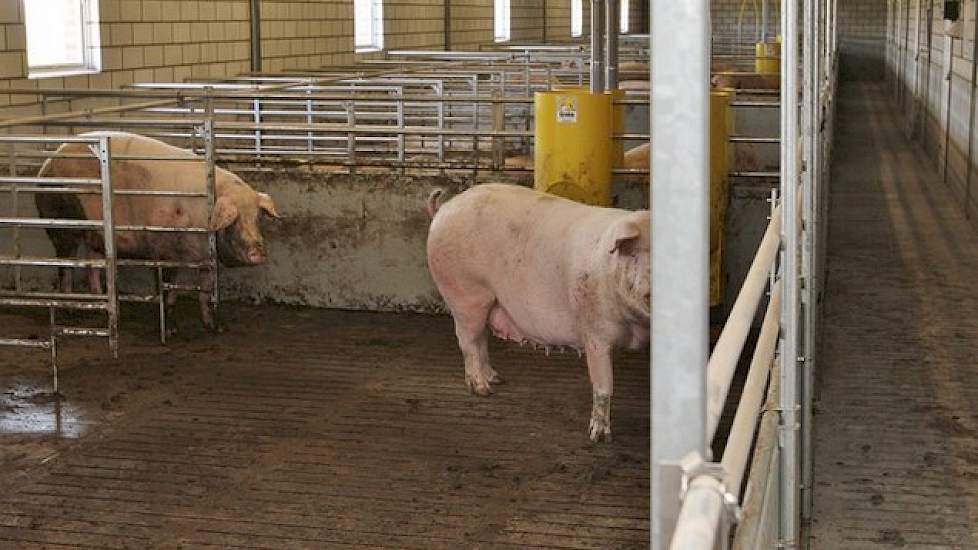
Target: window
[[501, 26], [62, 37], [577, 17], [368, 23], [623, 16]]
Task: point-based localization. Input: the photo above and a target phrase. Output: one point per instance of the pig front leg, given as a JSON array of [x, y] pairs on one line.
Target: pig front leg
[[171, 328], [208, 312], [600, 372]]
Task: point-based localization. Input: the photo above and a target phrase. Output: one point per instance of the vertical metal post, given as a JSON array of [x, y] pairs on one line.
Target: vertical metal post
[[108, 232], [257, 118], [949, 76], [971, 122], [14, 208], [440, 91], [680, 167], [498, 125], [812, 181], [764, 20], [597, 46], [914, 111], [256, 35], [447, 28], [211, 174], [611, 47], [925, 111], [790, 307], [310, 146], [53, 343]]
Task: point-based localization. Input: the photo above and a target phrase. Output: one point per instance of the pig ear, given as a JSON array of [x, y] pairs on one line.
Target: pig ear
[[625, 235], [266, 203], [225, 212]]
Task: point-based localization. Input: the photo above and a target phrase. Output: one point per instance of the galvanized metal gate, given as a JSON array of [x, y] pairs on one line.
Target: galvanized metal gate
[[699, 502]]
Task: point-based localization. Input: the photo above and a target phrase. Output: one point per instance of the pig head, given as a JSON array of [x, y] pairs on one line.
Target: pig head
[[535, 268]]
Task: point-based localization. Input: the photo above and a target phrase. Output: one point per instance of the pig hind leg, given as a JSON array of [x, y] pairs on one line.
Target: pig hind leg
[[471, 316]]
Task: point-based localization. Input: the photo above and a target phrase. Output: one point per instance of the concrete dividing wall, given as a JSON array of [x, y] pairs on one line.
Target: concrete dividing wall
[[862, 34], [938, 108], [351, 242]]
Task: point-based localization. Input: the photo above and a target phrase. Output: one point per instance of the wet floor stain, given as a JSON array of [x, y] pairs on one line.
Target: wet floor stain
[[32, 410]]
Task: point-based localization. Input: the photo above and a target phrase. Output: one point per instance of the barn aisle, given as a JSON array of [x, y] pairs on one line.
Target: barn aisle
[[896, 452]]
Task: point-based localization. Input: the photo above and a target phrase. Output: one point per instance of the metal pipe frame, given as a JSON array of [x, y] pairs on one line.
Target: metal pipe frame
[[597, 47], [680, 107], [110, 265], [729, 346], [611, 44], [790, 171]]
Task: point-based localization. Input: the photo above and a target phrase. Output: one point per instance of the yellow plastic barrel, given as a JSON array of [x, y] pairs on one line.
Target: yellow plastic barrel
[[767, 57], [573, 150], [721, 127]]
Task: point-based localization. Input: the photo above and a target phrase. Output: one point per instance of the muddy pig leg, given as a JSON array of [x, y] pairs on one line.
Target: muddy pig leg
[[208, 311], [169, 277], [472, 330], [600, 372]]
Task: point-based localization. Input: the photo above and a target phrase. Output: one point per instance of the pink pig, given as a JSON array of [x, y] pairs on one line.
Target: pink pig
[[537, 268]]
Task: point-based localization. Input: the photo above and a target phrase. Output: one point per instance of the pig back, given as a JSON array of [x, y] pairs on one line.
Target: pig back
[[519, 242], [144, 175]]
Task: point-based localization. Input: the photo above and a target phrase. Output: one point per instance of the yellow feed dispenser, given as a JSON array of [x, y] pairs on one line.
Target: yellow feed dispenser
[[573, 151], [767, 57], [721, 127]]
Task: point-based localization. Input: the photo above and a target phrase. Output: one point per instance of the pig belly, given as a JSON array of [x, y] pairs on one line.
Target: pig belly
[[531, 328]]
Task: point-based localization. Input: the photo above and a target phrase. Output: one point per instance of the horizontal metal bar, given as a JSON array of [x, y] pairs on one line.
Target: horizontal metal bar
[[755, 174], [54, 295], [52, 181], [53, 223], [49, 303], [749, 139], [117, 192], [47, 139], [754, 104], [726, 353], [171, 264], [82, 331], [25, 343], [52, 262], [737, 450]]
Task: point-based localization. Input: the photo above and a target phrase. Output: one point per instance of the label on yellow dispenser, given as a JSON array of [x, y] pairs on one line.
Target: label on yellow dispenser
[[567, 109]]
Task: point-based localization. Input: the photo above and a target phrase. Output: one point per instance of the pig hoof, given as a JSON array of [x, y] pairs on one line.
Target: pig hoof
[[494, 378], [597, 430], [477, 386]]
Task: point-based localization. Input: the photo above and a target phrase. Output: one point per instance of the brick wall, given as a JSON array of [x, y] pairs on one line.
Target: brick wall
[[171, 40], [938, 110]]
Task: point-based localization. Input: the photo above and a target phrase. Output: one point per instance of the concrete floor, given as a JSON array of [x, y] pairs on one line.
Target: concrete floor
[[896, 452], [302, 428]]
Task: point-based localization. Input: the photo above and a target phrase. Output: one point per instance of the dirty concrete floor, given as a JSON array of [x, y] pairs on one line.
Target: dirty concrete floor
[[896, 452], [303, 428]]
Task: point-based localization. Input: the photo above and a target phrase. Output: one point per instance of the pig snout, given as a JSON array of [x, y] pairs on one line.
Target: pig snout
[[256, 254]]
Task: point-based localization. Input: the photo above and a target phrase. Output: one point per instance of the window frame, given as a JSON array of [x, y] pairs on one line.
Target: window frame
[[376, 27], [577, 16], [91, 46], [506, 17]]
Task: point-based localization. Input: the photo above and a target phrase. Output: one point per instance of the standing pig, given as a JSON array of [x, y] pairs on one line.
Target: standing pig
[[538, 268], [235, 216]]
